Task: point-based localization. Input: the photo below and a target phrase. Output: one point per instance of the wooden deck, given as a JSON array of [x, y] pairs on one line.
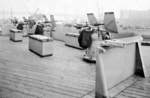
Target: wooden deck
[[26, 75], [139, 89], [63, 75]]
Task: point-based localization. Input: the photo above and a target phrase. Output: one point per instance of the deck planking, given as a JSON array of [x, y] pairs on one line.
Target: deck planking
[[139, 89], [26, 75], [63, 75]]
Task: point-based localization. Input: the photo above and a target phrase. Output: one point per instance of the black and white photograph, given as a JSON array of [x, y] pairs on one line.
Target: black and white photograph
[[74, 48]]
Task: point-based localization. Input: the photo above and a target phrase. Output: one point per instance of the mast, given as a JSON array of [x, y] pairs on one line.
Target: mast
[[11, 13], [3, 14], [98, 6], [100, 9]]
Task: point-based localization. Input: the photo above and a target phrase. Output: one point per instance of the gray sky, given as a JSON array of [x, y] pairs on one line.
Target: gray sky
[[71, 7]]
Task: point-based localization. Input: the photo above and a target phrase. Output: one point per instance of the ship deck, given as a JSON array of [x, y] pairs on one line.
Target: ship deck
[[23, 74]]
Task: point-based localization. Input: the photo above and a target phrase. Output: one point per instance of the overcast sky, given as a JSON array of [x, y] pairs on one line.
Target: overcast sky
[[71, 7]]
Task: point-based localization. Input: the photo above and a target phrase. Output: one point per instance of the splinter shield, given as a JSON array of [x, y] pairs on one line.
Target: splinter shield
[[110, 22], [91, 19]]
